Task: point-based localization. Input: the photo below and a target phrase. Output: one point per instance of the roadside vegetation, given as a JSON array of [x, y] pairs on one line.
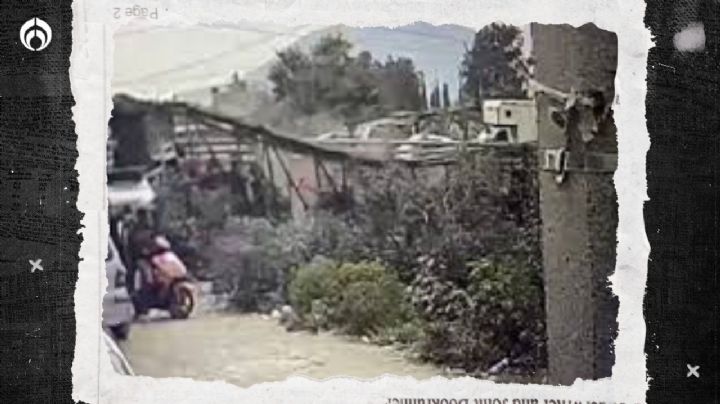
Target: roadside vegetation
[[448, 269]]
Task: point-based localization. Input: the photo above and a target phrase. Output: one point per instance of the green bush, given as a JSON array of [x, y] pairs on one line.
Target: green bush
[[499, 314], [358, 298], [408, 333], [251, 258], [314, 282], [262, 253], [335, 237], [433, 230], [372, 298]]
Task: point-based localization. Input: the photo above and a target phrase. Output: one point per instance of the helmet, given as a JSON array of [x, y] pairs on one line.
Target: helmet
[[162, 242]]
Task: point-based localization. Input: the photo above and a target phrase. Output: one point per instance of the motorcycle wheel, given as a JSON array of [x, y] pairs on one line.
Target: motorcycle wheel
[[182, 303]]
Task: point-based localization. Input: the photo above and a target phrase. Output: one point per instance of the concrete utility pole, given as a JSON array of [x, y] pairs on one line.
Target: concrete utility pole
[[578, 155]]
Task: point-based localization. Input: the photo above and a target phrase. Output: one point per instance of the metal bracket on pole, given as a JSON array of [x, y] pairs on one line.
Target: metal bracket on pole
[[560, 162], [555, 160]]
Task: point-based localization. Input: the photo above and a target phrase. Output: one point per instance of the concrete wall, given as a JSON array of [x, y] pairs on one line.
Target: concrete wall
[[579, 215]]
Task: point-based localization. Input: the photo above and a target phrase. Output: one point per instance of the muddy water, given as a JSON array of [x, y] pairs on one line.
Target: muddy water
[[248, 349]]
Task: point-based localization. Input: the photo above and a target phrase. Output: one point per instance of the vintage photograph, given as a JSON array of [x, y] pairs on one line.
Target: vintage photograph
[[341, 201]]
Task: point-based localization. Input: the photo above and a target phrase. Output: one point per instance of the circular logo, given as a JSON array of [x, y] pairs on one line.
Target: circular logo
[[35, 34]]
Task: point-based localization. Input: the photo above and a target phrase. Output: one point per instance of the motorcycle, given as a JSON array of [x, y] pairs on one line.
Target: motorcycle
[[170, 287]]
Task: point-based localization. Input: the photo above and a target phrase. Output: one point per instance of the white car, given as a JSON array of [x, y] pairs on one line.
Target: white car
[[118, 309], [495, 135], [416, 151], [136, 193], [333, 136], [384, 128], [117, 359]]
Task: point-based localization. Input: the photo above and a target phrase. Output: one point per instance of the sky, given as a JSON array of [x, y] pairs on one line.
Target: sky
[[161, 62]]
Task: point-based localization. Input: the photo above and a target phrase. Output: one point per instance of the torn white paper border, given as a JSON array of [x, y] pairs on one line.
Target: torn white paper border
[[91, 71]]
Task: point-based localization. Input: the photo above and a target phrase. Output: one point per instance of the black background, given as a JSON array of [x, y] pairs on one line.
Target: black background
[[681, 217], [38, 216], [38, 155]]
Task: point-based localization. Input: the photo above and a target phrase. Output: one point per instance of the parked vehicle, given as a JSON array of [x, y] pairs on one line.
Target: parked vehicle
[[335, 135], [117, 359], [169, 287], [384, 129], [424, 145], [118, 310], [495, 134], [129, 187]]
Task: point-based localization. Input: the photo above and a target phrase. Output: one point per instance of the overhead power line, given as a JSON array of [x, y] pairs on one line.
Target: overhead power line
[[270, 35]]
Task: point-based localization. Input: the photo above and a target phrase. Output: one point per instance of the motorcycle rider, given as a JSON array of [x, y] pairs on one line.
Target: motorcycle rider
[[160, 269], [142, 246]]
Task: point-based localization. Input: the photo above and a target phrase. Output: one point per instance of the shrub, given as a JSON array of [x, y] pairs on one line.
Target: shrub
[[434, 229], [486, 206], [335, 237], [251, 257], [500, 314], [359, 298], [371, 298], [508, 307], [314, 282], [408, 333]]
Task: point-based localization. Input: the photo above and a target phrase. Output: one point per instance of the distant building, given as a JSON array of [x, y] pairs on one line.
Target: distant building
[[517, 117]]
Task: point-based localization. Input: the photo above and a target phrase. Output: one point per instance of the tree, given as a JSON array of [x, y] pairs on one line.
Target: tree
[[399, 85], [292, 79], [435, 97], [423, 91], [492, 67], [329, 79], [313, 81], [446, 96]]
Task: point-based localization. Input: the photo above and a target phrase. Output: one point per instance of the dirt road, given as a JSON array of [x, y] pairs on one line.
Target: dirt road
[[248, 349]]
